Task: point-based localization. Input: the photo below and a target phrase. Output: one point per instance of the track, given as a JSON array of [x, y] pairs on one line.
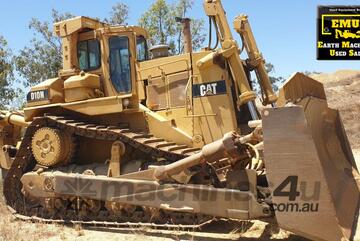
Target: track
[[93, 212]]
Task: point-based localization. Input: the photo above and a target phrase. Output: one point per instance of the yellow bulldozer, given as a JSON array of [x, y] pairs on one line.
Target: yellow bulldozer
[[129, 135]]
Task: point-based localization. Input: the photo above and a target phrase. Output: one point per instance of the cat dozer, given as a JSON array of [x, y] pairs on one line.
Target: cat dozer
[[127, 135]]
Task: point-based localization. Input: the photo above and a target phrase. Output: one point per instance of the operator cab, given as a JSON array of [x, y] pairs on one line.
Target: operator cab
[[106, 51], [119, 58], [99, 63], [89, 54]]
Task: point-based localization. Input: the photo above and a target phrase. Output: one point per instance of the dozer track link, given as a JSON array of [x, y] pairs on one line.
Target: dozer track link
[[165, 226], [147, 143], [26, 209]]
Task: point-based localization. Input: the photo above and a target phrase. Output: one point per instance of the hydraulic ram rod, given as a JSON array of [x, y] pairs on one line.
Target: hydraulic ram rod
[[223, 148], [12, 118]]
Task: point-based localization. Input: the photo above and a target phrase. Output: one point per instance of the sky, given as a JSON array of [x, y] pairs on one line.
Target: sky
[[285, 30]]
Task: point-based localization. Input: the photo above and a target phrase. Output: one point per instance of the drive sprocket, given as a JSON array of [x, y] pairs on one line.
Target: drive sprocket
[[52, 147]]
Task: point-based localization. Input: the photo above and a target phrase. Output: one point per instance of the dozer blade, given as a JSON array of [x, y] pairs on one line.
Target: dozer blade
[[310, 167]]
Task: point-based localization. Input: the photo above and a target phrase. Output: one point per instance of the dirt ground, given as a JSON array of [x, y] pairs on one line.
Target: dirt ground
[[343, 92], [16, 230], [12, 229]]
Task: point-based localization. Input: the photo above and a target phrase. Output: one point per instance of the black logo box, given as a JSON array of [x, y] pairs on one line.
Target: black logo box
[[327, 34], [209, 89]]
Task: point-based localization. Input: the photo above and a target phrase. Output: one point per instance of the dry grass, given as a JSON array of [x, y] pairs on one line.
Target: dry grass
[[12, 229], [15, 230]]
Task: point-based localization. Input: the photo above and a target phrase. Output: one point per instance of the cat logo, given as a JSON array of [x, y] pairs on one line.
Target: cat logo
[[209, 89]]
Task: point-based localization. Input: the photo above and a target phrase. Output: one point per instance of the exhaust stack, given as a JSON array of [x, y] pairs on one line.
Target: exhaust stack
[[186, 33]]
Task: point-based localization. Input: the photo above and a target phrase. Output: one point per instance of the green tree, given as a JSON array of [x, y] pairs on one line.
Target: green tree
[[197, 26], [7, 92], [275, 81], [159, 21], [42, 58], [119, 14], [198, 34]]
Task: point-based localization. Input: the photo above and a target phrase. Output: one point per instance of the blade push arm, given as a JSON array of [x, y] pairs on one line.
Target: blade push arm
[[256, 60], [230, 51]]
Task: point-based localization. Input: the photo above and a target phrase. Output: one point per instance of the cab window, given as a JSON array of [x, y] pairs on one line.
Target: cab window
[[141, 49], [120, 63], [89, 54]]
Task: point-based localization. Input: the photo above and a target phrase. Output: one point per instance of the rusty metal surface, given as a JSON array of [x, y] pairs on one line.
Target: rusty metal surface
[[304, 143]]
